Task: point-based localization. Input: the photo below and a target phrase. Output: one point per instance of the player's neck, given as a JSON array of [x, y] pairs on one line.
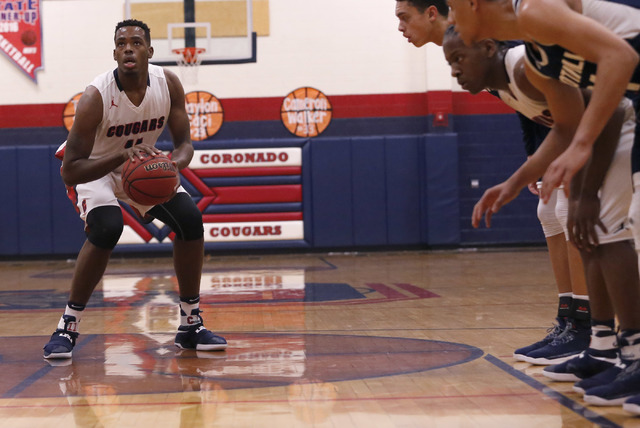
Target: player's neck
[[499, 79], [134, 85], [439, 30], [504, 22]]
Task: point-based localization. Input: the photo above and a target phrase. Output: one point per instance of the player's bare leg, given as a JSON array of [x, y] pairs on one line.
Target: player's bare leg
[[188, 258]]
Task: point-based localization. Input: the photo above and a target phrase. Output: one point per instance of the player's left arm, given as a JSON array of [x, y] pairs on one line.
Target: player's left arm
[[555, 22], [179, 123]]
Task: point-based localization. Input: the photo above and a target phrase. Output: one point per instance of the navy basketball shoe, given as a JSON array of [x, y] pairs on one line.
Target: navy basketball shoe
[[616, 393], [627, 383], [632, 405], [572, 341], [603, 378], [197, 337], [589, 363], [62, 340], [554, 331]]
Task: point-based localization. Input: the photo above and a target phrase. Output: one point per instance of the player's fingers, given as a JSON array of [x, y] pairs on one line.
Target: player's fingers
[[544, 193], [487, 218], [476, 216], [594, 233]]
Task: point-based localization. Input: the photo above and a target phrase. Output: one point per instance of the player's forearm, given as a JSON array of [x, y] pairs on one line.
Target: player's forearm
[[182, 155], [604, 150], [612, 79], [82, 170], [537, 164]]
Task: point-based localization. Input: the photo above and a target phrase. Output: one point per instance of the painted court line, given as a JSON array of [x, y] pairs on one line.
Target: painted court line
[[570, 404]]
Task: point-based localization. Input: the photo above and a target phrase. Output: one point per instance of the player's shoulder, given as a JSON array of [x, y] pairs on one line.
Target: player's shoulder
[[514, 57]]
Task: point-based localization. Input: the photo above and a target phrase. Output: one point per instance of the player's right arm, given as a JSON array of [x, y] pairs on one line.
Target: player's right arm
[[547, 21], [566, 105], [76, 166]]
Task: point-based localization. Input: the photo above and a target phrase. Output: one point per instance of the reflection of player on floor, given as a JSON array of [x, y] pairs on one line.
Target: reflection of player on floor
[[120, 116]]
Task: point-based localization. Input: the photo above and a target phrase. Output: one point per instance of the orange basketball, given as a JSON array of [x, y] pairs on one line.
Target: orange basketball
[[151, 181]]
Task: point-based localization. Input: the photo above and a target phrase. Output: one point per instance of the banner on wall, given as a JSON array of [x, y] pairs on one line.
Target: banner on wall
[[21, 34], [206, 114], [245, 195], [306, 112]]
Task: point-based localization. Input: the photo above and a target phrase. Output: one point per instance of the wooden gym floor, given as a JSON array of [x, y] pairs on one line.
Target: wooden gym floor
[[396, 339]]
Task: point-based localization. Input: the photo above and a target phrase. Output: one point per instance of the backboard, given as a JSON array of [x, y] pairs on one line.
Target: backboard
[[225, 29]]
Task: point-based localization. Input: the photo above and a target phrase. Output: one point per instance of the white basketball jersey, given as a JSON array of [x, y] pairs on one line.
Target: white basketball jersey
[[124, 124], [537, 111]]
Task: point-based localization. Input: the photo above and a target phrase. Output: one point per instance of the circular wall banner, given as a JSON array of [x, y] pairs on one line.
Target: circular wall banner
[[69, 112], [306, 112], [205, 114]]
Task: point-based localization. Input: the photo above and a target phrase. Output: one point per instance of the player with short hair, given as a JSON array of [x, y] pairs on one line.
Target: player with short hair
[[422, 21], [491, 65], [135, 92], [581, 43], [572, 43]]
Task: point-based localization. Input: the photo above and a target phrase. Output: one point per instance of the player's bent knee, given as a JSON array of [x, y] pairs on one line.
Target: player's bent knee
[[182, 215], [104, 226], [191, 227], [548, 220]]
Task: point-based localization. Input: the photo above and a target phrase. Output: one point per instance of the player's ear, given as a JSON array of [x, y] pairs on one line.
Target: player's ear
[[490, 47], [432, 12], [150, 52], [114, 55]]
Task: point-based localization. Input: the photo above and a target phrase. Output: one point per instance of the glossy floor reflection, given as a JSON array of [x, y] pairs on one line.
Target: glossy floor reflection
[[403, 339]]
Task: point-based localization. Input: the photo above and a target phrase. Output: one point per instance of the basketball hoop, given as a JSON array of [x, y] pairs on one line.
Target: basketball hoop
[[189, 59]]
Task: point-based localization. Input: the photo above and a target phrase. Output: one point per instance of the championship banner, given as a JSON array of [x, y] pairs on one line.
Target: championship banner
[[21, 34]]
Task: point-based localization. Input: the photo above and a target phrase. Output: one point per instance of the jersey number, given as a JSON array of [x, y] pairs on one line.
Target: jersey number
[[130, 143]]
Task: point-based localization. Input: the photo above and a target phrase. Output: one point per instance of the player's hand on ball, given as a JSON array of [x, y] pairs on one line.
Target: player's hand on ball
[[139, 151]]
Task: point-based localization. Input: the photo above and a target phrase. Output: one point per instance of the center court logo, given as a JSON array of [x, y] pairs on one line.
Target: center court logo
[[205, 114], [306, 112]]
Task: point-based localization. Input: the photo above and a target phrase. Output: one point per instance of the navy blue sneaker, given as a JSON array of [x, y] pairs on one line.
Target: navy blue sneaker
[[62, 340], [589, 363], [625, 385], [572, 341], [632, 405], [554, 331], [199, 338], [603, 378]]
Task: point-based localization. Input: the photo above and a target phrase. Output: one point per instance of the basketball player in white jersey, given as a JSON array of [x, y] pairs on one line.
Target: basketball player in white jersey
[[489, 65], [581, 43], [572, 43], [120, 116], [425, 21]]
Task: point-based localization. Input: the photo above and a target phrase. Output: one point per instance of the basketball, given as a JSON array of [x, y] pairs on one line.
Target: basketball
[[151, 181], [29, 38]]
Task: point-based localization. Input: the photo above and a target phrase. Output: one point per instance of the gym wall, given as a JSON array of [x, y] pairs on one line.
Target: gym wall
[[405, 157]]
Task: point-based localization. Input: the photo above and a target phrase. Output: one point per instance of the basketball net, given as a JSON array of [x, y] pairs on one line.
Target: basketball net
[[189, 60]]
